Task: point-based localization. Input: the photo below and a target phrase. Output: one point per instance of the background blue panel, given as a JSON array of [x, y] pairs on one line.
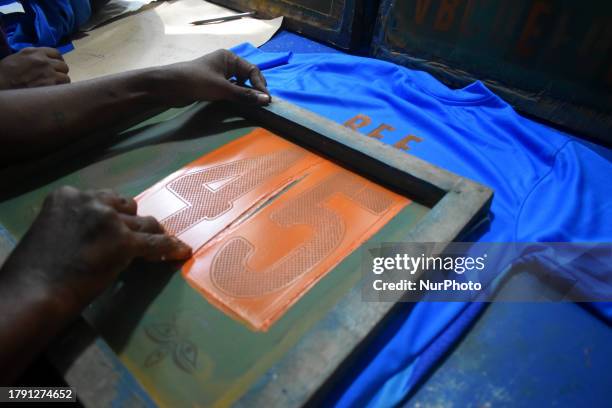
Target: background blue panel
[[540, 56]]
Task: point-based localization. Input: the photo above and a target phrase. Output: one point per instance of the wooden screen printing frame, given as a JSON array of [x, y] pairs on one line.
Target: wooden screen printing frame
[[457, 204]]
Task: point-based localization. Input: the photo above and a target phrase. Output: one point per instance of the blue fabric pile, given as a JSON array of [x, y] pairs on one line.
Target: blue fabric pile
[[549, 186], [46, 23]]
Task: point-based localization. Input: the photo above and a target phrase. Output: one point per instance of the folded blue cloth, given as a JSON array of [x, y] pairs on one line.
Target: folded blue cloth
[[47, 23], [549, 187]]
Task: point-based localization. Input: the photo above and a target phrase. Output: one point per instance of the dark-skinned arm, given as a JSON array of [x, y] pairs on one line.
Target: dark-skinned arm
[[39, 120], [82, 240], [77, 246], [32, 67]]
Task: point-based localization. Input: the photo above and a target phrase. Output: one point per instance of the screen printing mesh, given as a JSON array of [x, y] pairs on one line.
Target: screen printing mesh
[[231, 274], [207, 199], [273, 219]]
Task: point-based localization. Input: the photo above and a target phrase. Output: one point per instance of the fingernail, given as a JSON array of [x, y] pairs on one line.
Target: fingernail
[[263, 98], [184, 251]]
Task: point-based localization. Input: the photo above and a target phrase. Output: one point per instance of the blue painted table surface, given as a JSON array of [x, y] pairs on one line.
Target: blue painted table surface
[[515, 354], [525, 355]]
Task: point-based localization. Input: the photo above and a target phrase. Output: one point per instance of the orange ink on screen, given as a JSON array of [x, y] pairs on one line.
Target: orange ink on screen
[[306, 216], [201, 199]]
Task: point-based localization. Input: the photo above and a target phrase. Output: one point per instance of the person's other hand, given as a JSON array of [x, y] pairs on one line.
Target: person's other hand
[[80, 242], [209, 78], [32, 67]]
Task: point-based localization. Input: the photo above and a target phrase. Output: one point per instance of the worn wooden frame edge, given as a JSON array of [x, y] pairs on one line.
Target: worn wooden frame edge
[[456, 204]]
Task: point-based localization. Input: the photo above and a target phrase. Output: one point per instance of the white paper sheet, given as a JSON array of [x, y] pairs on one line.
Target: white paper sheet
[[162, 35], [14, 7]]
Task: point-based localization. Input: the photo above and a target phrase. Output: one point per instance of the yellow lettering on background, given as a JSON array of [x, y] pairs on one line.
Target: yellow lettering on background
[[421, 10], [446, 15], [467, 14], [532, 30]]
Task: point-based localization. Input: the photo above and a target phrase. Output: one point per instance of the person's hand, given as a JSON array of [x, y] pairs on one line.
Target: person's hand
[[32, 67], [209, 78], [80, 242]]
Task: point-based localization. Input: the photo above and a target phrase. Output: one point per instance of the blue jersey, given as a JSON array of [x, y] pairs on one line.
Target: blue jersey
[[549, 186], [46, 23]]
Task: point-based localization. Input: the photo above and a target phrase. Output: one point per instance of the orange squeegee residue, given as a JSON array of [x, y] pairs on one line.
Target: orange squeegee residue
[[285, 219]]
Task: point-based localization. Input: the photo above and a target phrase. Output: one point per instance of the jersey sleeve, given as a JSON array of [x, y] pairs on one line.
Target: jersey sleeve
[[572, 202]]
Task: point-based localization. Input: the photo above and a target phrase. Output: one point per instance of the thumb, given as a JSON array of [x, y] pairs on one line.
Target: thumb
[[247, 95], [159, 247]]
